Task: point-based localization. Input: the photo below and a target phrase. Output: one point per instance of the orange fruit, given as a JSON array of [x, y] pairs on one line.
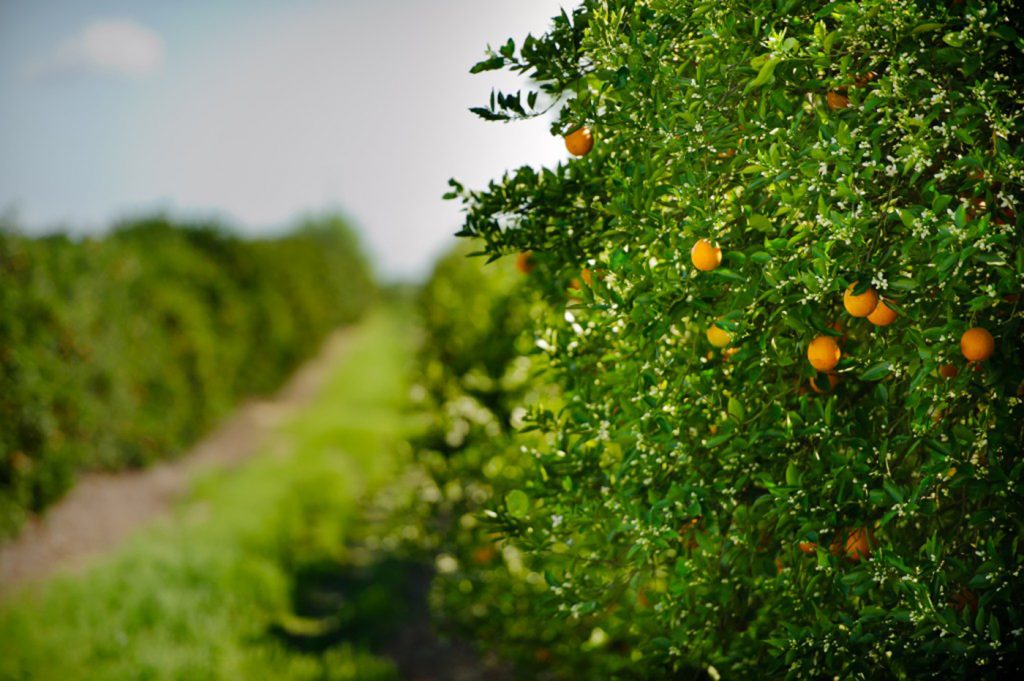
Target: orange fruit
[[580, 141], [865, 78], [718, 336], [882, 315], [705, 255], [818, 383], [823, 353], [686, 533], [977, 344], [965, 599], [525, 262], [860, 305], [484, 554], [837, 100], [1006, 216], [807, 546], [948, 371], [586, 276], [977, 205], [858, 544]]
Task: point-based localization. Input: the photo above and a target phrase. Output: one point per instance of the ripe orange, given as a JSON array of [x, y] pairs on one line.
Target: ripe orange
[[718, 336], [586, 276], [862, 305], [580, 141], [965, 599], [686, 533], [883, 315], [858, 544], [484, 554], [823, 353], [948, 371], [807, 546], [837, 100], [977, 344], [818, 382], [865, 78], [525, 262], [705, 255]]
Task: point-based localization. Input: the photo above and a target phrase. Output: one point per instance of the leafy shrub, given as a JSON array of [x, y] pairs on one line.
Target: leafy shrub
[[706, 508], [116, 351], [474, 373]]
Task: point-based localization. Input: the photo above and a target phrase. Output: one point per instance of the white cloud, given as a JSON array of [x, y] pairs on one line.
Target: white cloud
[[109, 46]]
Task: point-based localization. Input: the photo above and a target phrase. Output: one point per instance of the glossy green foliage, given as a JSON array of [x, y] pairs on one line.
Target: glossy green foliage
[[820, 145], [119, 350], [475, 376]]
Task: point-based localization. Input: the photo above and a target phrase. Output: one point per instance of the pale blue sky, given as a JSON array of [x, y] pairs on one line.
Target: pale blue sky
[[258, 111]]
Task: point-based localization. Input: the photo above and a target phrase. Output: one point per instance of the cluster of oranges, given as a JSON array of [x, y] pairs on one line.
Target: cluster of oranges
[[855, 547], [823, 352]]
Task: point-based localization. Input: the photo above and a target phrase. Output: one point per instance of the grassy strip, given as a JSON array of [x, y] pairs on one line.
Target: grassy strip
[[200, 595]]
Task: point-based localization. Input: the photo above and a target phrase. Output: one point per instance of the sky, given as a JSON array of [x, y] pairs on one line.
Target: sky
[[259, 112]]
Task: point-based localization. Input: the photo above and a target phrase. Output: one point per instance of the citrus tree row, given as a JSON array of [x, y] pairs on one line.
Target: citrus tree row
[[701, 498]]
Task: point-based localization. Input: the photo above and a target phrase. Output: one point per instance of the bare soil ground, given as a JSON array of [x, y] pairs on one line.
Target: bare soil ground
[[103, 509]]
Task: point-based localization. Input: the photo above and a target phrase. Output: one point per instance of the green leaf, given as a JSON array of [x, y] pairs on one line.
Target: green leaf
[[875, 372], [736, 409], [489, 64], [517, 503], [726, 273], [923, 28], [764, 75], [792, 475]]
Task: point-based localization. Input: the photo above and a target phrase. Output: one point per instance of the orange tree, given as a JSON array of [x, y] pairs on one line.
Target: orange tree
[[121, 349], [765, 190]]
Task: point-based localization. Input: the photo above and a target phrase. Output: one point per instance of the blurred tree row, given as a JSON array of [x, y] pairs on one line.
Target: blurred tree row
[[118, 350]]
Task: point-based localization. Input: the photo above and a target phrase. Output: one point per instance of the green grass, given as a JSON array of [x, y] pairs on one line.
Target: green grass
[[201, 594]]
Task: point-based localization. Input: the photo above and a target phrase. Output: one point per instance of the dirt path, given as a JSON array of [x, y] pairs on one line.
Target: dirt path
[[103, 509]]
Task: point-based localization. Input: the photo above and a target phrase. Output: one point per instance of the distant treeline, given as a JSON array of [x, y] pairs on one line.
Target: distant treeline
[[119, 350]]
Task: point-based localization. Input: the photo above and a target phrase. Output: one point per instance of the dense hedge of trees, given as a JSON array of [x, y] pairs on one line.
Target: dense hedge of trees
[[118, 350], [780, 312]]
